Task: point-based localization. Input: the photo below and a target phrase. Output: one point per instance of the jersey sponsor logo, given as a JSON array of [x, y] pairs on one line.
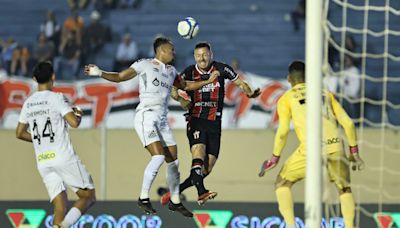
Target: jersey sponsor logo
[[229, 71], [210, 87], [156, 82], [152, 134], [165, 85], [332, 141], [49, 155], [206, 104], [196, 134]]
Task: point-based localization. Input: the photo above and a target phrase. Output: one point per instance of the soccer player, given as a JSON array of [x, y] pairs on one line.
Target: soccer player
[[156, 79], [204, 118], [47, 115], [292, 106]]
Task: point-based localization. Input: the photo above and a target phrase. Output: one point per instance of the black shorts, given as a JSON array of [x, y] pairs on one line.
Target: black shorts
[[207, 132]]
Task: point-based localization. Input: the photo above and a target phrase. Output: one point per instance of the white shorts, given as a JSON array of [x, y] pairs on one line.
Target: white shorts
[[152, 127], [74, 175]]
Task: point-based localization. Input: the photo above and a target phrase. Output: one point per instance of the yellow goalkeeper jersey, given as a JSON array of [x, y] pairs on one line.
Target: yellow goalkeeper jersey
[[292, 106]]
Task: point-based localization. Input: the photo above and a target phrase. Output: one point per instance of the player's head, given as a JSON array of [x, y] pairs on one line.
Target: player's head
[[164, 49], [43, 72], [297, 70], [203, 55]]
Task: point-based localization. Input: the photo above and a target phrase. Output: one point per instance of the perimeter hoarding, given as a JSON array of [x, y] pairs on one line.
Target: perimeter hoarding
[[30, 214]]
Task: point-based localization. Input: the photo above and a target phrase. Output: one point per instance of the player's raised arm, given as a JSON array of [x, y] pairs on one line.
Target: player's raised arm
[[194, 85], [93, 70], [244, 86], [22, 133]]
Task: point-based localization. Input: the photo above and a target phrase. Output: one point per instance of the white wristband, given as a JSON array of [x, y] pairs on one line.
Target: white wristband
[[95, 71]]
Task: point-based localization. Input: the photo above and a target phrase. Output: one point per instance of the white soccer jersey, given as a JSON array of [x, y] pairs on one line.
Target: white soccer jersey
[[44, 112], [155, 82]]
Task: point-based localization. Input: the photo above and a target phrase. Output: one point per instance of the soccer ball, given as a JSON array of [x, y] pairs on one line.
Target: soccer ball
[[188, 28]]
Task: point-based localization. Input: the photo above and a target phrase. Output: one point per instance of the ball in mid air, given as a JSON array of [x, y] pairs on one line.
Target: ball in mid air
[[188, 28]]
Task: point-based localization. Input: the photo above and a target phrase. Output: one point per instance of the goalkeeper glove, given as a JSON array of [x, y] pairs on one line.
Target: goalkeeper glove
[[356, 162], [268, 164]]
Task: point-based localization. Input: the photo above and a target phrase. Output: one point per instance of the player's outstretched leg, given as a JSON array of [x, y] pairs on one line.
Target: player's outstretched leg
[[173, 178], [150, 174], [87, 198], [146, 206], [179, 208], [285, 201], [186, 184], [347, 206], [196, 175], [60, 208]]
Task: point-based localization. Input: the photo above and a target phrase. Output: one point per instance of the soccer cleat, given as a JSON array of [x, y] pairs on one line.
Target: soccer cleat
[[145, 204], [206, 196], [165, 198], [179, 208]]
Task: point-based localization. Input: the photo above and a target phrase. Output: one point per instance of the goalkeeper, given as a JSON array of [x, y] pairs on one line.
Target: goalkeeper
[[292, 106]]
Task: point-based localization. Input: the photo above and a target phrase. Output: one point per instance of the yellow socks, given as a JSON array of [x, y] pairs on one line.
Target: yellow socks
[[285, 201], [348, 209]]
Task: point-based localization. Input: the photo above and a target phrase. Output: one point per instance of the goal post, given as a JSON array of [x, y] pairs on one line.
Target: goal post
[[313, 186]]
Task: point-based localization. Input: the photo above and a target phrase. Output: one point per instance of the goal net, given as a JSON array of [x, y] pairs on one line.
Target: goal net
[[362, 66]]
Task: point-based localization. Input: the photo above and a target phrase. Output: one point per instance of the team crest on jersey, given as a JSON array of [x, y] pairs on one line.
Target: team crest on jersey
[[196, 134], [156, 82]]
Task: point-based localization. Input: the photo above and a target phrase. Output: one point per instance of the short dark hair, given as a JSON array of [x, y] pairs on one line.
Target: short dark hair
[[203, 44], [297, 69], [160, 41], [43, 71]]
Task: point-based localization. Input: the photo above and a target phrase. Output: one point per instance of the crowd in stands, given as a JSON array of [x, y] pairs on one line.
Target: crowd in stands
[[68, 45]]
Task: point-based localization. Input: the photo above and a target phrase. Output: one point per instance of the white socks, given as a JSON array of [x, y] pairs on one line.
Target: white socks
[[150, 174], [173, 180], [72, 217]]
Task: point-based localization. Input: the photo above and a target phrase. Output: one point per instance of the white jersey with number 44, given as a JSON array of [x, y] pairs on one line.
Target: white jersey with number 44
[[44, 112]]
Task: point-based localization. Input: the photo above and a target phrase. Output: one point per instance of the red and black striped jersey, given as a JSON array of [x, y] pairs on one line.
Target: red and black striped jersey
[[208, 101]]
